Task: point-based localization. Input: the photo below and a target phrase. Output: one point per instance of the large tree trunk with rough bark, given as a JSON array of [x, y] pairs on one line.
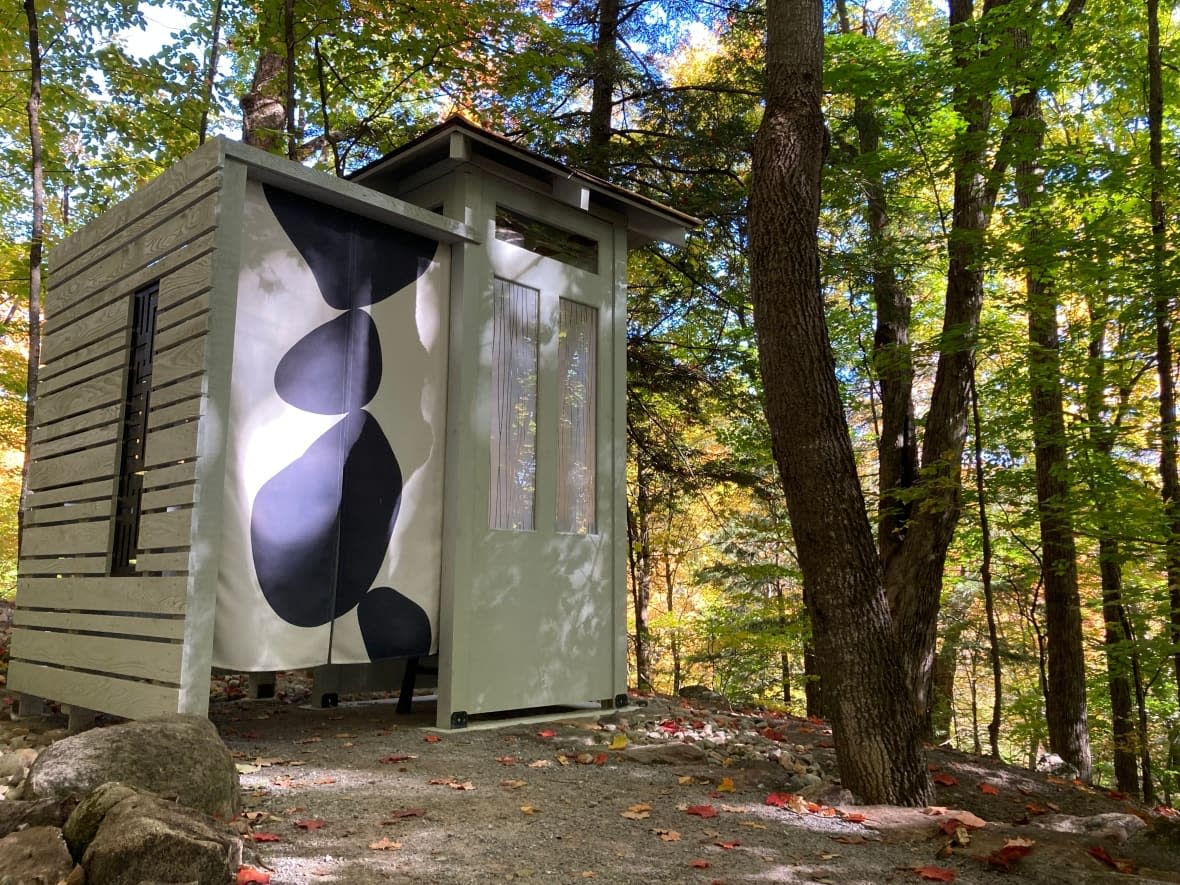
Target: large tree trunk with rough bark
[[876, 730], [264, 107]]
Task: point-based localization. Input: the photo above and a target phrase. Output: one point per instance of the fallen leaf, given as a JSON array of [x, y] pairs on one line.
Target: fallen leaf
[[787, 800], [589, 874], [726, 785], [432, 738], [1013, 850], [935, 809], [513, 784], [322, 781], [251, 876], [465, 785], [314, 739], [265, 837], [540, 763], [385, 844], [854, 817], [547, 733], [967, 819], [701, 810], [1036, 808], [684, 780], [754, 824], [403, 813], [529, 809], [699, 864], [600, 758], [849, 840], [507, 760], [728, 845], [442, 781], [618, 742], [311, 823], [989, 789], [936, 874], [1120, 864], [638, 811], [585, 759], [667, 835], [396, 758], [247, 768], [562, 759], [944, 779]]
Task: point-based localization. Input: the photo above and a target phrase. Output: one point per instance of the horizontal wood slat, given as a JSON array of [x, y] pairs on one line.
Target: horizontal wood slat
[[88, 566], [177, 496], [81, 398], [171, 444], [76, 539], [135, 594], [184, 410], [109, 364], [171, 528], [122, 625], [163, 562], [110, 414], [120, 697], [100, 432], [190, 172], [170, 475], [124, 657], [68, 512], [88, 464]]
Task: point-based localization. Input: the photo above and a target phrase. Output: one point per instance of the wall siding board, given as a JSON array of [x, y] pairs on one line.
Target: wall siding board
[[109, 364], [85, 566], [108, 415], [97, 434], [163, 562], [191, 327], [170, 474], [177, 496], [88, 464], [179, 361], [184, 410], [133, 594], [78, 538], [103, 343], [80, 399], [171, 444], [104, 488], [120, 697], [171, 528], [65, 513], [121, 625], [159, 661]]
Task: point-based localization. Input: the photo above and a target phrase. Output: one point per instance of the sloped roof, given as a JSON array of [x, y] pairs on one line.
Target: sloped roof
[[647, 219]]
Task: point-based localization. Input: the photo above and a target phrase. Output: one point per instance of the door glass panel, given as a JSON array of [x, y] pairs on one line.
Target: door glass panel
[[512, 492], [577, 365]]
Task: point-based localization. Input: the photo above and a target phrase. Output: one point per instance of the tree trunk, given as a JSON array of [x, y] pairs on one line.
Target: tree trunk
[[942, 685], [36, 247], [1163, 300], [264, 112], [876, 730], [210, 71], [602, 94], [1118, 665], [813, 699], [639, 544], [1065, 706], [985, 578]]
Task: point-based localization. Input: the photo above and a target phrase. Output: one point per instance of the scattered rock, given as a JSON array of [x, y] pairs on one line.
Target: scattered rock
[[1051, 763], [144, 838], [36, 856], [1114, 825], [671, 753], [704, 695], [178, 757], [83, 824], [15, 765], [18, 815]]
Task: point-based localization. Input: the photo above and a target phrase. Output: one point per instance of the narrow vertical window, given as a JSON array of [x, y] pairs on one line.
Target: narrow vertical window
[[512, 495], [135, 420], [577, 364]]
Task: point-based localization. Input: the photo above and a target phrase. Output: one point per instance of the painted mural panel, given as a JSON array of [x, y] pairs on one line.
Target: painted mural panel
[[332, 536]]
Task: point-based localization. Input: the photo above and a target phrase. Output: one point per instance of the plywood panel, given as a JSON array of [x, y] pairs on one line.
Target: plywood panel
[[109, 364], [76, 467], [109, 414], [99, 433], [125, 657], [175, 496], [169, 475], [132, 594], [73, 295], [163, 562], [185, 410], [123, 625], [191, 173], [81, 398], [171, 528], [67, 540], [104, 488], [171, 444], [119, 697], [68, 512]]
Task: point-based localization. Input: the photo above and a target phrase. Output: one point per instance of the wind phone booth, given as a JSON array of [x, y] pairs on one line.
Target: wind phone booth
[[290, 421]]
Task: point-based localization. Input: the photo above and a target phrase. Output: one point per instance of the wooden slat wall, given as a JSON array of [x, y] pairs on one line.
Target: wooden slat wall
[[80, 636]]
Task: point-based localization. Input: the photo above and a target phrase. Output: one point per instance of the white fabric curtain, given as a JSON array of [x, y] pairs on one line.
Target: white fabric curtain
[[512, 495], [577, 365]]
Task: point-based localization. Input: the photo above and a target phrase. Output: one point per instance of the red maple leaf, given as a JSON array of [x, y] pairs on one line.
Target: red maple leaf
[[1012, 851], [701, 810], [547, 733], [251, 876], [945, 779], [311, 823], [265, 837], [699, 864], [728, 845], [778, 800], [1123, 866], [854, 817], [936, 874], [432, 739], [990, 789]]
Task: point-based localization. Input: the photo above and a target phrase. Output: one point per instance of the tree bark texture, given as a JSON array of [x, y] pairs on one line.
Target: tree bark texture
[[639, 544], [1118, 667], [36, 245], [985, 578], [1065, 706], [602, 96], [264, 112], [876, 729]]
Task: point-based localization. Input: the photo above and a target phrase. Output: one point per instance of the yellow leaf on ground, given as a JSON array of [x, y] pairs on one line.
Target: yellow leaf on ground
[[618, 742], [385, 844]]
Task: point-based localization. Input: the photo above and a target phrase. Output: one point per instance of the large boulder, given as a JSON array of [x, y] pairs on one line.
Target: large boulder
[[144, 838], [36, 856], [175, 757], [82, 826]]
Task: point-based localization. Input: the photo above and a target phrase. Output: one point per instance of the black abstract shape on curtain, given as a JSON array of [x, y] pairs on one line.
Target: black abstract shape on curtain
[[319, 528]]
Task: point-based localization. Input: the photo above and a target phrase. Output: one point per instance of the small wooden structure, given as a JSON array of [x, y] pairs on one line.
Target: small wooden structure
[[287, 421]]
